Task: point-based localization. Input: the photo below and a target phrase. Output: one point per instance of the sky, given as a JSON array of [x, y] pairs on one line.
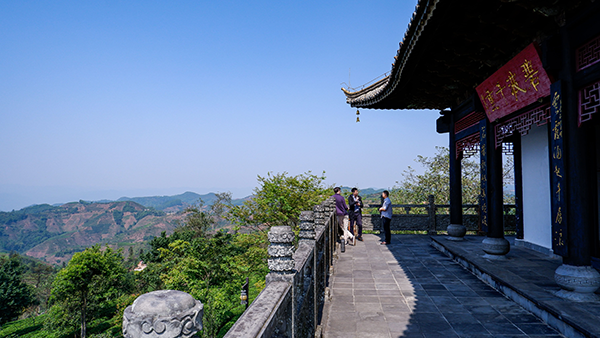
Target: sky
[[104, 99]]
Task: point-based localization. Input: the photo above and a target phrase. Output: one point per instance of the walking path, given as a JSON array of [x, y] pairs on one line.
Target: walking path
[[410, 289]]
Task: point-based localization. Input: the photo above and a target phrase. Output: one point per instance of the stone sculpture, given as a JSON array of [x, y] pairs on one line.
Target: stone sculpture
[[163, 314]]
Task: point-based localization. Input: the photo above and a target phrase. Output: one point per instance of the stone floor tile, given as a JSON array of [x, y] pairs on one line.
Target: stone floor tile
[[364, 292], [364, 286], [368, 307], [424, 308], [445, 300], [470, 329], [366, 299], [372, 326], [339, 334], [343, 292], [374, 334], [341, 325], [536, 328], [381, 286], [389, 292], [472, 301], [371, 316], [457, 318], [438, 293], [342, 285], [502, 328], [522, 318], [396, 308]]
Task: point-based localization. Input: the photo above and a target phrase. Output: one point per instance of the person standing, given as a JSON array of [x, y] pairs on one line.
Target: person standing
[[386, 216], [355, 206], [340, 208]]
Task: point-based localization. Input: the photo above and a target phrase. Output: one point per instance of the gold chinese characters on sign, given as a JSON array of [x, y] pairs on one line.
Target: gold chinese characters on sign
[[517, 84]]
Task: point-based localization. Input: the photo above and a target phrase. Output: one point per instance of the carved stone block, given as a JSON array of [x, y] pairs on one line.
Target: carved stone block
[[164, 314]]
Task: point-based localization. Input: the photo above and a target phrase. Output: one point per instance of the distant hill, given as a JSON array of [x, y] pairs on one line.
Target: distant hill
[[362, 192], [54, 233], [177, 202], [172, 203]]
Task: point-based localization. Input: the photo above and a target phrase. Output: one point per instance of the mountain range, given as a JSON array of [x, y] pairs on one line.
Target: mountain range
[[55, 232]]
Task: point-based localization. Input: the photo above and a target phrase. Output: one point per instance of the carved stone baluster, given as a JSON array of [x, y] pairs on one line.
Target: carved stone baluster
[[307, 226], [281, 250], [319, 214]]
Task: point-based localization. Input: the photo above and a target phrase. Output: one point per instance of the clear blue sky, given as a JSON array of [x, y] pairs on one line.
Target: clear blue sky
[[103, 99]]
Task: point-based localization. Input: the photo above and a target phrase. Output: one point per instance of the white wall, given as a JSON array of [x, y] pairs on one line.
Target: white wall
[[537, 223]]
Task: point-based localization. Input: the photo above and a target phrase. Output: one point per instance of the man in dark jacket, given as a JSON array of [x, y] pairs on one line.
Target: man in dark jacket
[[355, 205]]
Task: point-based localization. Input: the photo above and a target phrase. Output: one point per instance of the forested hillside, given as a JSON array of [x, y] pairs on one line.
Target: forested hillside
[[54, 233]]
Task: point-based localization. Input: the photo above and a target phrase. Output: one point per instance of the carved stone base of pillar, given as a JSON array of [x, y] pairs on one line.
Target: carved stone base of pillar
[[163, 313], [456, 232], [578, 283], [495, 248]]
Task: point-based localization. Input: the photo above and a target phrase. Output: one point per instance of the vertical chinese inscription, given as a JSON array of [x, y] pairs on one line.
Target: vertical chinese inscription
[[483, 194], [557, 173]]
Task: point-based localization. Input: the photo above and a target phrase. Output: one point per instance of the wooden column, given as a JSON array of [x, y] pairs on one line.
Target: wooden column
[[581, 187], [496, 194], [456, 229], [494, 245], [573, 237]]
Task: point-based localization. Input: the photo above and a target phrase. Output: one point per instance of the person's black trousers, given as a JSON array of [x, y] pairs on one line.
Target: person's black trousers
[[356, 217], [385, 224]]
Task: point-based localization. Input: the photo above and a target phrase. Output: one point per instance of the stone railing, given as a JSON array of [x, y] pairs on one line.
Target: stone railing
[[291, 304], [425, 217]]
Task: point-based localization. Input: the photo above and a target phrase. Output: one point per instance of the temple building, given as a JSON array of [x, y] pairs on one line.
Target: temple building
[[522, 77]]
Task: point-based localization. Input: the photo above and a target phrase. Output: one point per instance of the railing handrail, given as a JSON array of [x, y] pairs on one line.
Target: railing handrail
[[427, 205]]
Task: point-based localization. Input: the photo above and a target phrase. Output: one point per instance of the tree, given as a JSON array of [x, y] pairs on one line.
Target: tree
[[279, 199], [15, 295], [91, 277], [435, 180], [212, 269], [200, 219]]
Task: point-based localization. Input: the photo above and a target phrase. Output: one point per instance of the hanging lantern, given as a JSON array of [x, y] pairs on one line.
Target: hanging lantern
[[357, 116]]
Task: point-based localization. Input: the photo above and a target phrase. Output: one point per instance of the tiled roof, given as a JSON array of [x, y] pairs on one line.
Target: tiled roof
[[450, 46]]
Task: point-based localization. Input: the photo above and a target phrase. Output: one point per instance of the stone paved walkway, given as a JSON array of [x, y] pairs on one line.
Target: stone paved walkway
[[410, 289]]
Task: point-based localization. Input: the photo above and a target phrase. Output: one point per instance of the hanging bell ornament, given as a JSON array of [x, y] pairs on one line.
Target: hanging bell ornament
[[357, 116]]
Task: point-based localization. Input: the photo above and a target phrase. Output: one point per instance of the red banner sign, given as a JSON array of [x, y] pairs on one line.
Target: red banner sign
[[517, 84]]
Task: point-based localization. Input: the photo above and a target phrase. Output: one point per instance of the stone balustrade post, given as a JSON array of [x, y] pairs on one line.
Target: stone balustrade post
[[164, 314], [431, 211], [319, 215], [281, 250], [327, 207], [307, 226]]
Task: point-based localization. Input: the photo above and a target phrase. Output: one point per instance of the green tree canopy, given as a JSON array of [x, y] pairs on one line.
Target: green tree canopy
[[279, 199], [90, 280], [435, 180], [200, 219], [15, 295]]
